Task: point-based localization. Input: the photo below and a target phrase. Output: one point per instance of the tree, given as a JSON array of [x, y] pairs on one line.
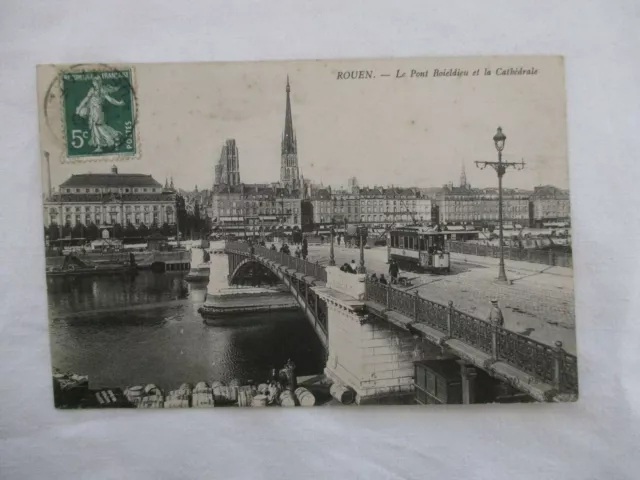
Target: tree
[[118, 231], [53, 231], [92, 232], [66, 230], [165, 229], [130, 230], [78, 230], [143, 231]]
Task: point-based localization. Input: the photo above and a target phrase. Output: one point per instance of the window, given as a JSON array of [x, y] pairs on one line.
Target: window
[[68, 190], [144, 189], [97, 190], [77, 190], [126, 190], [86, 190]]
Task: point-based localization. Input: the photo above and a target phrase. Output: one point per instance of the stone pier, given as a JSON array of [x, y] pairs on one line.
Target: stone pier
[[372, 356]]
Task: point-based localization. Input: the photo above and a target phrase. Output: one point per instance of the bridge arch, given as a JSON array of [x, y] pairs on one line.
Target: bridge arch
[[252, 270], [295, 279]]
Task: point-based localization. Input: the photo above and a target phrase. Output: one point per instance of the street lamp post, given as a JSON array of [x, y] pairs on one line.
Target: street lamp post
[[361, 267], [500, 167], [332, 259]]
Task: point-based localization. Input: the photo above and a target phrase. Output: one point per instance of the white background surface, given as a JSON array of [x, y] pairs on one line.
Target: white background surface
[[597, 438]]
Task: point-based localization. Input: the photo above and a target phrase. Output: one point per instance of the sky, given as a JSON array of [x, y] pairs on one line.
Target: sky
[[384, 130]]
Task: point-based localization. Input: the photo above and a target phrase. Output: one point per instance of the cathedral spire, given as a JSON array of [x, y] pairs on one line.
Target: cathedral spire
[[288, 138], [463, 177]]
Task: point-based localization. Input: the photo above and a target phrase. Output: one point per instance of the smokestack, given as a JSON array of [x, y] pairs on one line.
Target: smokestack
[[46, 155]]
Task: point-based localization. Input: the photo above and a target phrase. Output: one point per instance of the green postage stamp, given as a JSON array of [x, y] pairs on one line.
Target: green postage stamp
[[99, 113]]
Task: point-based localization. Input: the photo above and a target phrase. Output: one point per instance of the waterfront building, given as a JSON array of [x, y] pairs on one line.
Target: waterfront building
[[107, 199], [480, 206], [549, 204], [373, 206]]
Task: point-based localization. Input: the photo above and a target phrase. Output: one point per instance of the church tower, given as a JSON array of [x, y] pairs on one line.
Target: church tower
[[289, 174], [227, 171], [463, 178]]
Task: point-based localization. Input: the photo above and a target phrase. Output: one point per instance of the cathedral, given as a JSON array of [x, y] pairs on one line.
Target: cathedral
[[289, 172]]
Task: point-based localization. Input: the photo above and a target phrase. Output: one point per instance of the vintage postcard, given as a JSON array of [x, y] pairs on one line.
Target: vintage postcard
[[329, 232]]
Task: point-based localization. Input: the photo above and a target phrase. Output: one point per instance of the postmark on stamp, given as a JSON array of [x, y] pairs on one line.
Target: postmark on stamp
[[98, 113]]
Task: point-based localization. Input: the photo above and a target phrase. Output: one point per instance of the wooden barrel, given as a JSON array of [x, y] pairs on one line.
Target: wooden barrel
[[263, 388], [235, 383], [201, 386], [343, 394], [203, 399], [245, 397], [259, 401], [185, 387], [152, 389], [287, 399], [224, 395], [134, 393], [217, 383], [305, 397], [233, 394]]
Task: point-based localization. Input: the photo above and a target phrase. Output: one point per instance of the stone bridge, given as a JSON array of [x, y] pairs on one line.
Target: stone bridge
[[375, 334]]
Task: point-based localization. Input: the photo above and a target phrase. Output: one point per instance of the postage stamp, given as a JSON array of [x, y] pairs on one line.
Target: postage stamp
[[99, 112]]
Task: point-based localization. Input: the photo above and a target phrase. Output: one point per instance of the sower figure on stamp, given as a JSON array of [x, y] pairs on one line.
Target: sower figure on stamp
[[102, 135], [495, 316]]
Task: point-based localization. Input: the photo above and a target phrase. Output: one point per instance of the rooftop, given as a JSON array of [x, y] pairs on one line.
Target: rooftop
[[110, 180]]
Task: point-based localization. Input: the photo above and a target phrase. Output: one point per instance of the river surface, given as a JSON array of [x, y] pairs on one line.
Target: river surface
[[132, 330]]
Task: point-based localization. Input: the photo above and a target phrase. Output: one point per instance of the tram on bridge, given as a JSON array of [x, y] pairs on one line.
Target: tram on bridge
[[416, 248]]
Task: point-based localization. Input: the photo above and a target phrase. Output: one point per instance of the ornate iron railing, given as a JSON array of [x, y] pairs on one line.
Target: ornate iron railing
[[544, 363], [544, 257], [471, 330]]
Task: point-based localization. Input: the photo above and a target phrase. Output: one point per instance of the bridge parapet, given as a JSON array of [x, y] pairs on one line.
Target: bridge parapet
[[347, 283], [491, 344]]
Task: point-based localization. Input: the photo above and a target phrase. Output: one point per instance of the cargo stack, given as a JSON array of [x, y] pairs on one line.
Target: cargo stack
[[202, 396], [152, 397], [180, 398]]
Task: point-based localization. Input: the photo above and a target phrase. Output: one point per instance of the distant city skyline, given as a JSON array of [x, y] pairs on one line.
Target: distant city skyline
[[414, 133]]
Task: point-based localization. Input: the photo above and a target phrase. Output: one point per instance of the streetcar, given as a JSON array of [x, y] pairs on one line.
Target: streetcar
[[423, 249]]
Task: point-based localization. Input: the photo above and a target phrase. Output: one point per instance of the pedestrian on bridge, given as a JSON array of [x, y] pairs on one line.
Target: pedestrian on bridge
[[393, 271], [383, 280], [495, 314]]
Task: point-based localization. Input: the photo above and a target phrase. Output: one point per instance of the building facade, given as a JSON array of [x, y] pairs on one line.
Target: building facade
[[107, 199], [256, 206], [372, 206], [549, 204], [466, 205]]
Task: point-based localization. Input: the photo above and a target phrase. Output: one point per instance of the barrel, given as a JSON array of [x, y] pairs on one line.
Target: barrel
[[235, 383], [259, 401], [201, 386], [203, 399], [134, 393], [273, 394], [343, 394], [287, 399], [223, 395], [152, 389], [185, 387], [263, 388], [217, 383], [305, 397], [245, 398]]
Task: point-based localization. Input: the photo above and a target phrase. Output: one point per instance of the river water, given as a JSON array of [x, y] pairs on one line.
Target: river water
[[133, 330]]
